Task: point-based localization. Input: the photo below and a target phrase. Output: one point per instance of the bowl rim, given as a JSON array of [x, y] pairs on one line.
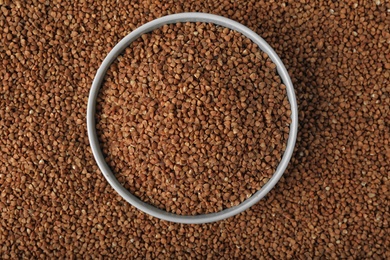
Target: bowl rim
[[94, 142]]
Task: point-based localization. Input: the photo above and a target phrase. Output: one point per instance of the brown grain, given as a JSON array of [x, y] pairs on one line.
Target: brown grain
[[332, 202], [193, 144]]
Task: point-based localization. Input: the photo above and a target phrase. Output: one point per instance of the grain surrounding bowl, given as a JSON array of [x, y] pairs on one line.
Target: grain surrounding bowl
[[331, 203]]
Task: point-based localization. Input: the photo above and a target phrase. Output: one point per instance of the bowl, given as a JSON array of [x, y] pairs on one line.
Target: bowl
[[120, 47]]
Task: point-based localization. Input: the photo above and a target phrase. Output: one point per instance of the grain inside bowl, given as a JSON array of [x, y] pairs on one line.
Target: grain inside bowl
[[193, 118]]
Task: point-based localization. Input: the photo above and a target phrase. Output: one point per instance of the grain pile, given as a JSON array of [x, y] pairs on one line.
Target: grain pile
[[193, 118], [333, 201]]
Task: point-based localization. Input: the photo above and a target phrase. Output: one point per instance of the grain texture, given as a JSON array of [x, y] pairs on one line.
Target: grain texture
[[331, 203]]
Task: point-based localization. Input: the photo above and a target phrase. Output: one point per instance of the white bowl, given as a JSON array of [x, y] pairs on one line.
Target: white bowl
[[120, 47]]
